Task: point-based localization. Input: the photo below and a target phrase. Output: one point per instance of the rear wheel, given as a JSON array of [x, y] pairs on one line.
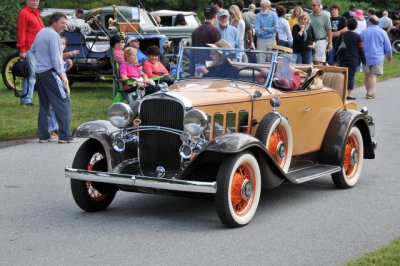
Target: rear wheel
[[91, 196], [352, 160], [8, 76], [396, 46], [274, 131], [239, 189]]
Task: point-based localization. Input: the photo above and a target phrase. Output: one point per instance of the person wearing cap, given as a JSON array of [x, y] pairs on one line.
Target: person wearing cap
[[376, 47], [117, 45], [321, 25], [266, 28], [205, 33], [229, 32], [221, 67], [134, 42], [361, 22]]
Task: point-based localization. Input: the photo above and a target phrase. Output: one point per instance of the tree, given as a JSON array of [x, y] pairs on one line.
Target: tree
[[9, 10]]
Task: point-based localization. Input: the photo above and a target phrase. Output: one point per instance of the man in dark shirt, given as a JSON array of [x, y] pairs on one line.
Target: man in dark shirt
[[339, 25], [205, 33]]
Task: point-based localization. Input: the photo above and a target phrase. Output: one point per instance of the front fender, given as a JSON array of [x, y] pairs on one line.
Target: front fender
[[100, 130], [335, 137]]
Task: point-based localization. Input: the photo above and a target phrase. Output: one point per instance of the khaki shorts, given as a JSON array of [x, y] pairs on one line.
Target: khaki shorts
[[374, 69], [320, 51]]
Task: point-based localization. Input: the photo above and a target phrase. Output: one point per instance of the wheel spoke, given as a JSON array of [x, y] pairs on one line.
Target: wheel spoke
[[240, 204]]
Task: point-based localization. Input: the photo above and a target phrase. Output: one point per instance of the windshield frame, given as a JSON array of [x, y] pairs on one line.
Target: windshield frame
[[270, 66]]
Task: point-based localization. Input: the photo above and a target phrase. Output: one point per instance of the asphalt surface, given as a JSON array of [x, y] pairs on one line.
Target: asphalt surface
[[308, 224]]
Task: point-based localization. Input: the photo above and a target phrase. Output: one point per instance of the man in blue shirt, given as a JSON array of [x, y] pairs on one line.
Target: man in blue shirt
[[376, 47], [228, 32], [51, 79], [266, 27]]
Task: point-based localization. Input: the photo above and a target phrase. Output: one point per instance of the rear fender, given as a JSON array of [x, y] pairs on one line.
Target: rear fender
[[335, 137]]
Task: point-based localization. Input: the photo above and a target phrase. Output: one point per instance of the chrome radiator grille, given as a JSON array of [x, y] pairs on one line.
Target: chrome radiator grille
[[158, 148]]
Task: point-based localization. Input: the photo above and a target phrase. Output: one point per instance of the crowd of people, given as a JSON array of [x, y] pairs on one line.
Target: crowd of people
[[316, 38]]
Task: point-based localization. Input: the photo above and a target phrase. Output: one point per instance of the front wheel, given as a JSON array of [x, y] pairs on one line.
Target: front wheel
[[91, 196], [352, 160], [8, 76], [239, 189]]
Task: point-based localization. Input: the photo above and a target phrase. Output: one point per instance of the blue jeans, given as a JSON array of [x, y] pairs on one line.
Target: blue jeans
[[352, 69], [304, 57], [31, 80]]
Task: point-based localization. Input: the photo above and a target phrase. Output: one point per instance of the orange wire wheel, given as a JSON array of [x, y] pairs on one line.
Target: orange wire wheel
[[275, 132], [239, 189], [92, 191], [353, 153]]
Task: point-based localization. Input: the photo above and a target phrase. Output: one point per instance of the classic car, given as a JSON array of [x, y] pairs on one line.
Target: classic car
[[138, 20], [226, 133]]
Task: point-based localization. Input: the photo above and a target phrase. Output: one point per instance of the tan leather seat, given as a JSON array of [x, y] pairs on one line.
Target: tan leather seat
[[334, 81]]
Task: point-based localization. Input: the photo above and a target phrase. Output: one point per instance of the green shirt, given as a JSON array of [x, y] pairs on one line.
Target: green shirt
[[320, 24]]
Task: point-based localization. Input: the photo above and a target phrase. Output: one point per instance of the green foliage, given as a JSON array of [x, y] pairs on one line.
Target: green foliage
[[9, 10], [82, 3]]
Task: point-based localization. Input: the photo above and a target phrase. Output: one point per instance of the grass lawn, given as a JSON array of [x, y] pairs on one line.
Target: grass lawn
[[390, 70], [388, 255], [90, 101]]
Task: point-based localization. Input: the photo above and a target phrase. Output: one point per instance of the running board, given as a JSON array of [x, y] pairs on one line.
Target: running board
[[302, 175]]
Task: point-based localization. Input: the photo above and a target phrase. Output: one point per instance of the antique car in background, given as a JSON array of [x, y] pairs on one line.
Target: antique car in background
[[91, 38], [228, 130], [143, 22]]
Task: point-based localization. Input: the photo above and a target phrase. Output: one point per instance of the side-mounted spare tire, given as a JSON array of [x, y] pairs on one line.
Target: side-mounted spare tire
[[276, 134]]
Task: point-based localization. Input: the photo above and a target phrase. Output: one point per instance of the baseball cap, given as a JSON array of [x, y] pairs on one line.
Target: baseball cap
[[358, 13], [223, 12], [131, 39], [210, 10]]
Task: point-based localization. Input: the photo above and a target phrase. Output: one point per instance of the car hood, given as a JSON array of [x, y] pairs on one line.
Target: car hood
[[211, 92]]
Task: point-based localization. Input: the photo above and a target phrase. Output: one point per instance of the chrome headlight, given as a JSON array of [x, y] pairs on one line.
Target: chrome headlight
[[195, 122], [120, 115]]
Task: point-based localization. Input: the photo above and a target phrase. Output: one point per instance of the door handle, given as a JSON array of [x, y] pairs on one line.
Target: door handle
[[308, 109]]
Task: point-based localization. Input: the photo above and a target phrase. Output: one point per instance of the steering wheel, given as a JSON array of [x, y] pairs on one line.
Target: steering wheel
[[254, 72]]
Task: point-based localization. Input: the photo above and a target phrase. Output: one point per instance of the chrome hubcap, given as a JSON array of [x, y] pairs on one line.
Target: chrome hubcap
[[280, 151], [354, 157], [247, 189]]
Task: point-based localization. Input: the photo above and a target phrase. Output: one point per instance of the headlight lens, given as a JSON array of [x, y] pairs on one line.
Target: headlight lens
[[195, 122], [120, 115]]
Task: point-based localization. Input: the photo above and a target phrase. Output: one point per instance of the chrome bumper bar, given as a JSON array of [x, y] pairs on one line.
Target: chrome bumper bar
[[142, 181]]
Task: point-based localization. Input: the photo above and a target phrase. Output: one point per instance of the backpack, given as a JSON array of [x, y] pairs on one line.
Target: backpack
[[20, 69]]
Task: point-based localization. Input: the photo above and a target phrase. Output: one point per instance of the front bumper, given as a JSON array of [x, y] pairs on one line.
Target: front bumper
[[142, 181]]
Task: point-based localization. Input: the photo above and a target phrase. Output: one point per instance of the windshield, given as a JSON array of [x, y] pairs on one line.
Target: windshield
[[254, 66]]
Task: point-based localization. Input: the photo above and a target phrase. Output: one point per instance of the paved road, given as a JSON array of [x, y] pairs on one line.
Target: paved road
[[308, 224]]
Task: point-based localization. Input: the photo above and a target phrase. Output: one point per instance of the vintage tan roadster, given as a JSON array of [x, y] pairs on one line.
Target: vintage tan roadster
[[226, 128]]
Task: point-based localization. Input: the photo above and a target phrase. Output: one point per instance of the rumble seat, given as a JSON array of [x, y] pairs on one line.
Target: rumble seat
[[334, 81]]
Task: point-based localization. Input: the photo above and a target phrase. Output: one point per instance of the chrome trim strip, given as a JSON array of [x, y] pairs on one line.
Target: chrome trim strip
[[142, 181]]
